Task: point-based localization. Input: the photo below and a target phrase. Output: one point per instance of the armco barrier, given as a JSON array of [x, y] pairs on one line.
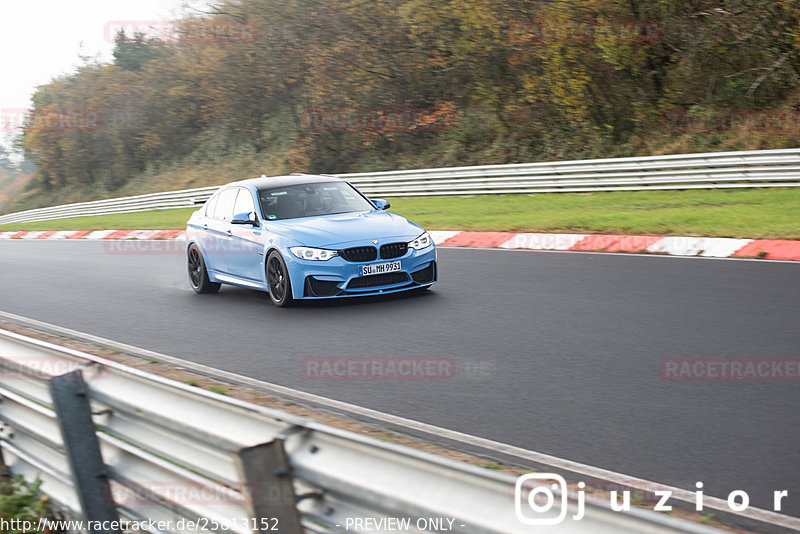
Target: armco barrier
[[759, 168], [173, 452]]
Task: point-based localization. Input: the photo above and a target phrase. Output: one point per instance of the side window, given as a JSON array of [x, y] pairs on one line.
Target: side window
[[209, 207], [224, 207], [244, 202]]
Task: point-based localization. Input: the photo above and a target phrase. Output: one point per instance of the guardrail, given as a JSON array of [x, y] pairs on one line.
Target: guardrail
[[168, 452], [171, 199], [759, 168]]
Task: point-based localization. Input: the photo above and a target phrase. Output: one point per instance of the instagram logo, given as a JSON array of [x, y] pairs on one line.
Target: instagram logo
[[538, 491]]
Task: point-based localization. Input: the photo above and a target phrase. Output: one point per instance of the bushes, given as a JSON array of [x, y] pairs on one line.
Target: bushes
[[21, 505]]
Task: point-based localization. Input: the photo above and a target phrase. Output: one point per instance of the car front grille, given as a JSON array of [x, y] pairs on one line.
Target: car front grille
[[376, 280], [393, 250], [358, 254], [426, 275]]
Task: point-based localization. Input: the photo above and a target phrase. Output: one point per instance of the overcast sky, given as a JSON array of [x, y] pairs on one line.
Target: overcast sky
[[43, 39]]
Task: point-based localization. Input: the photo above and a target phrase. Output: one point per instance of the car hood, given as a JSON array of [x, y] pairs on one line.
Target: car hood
[[345, 228]]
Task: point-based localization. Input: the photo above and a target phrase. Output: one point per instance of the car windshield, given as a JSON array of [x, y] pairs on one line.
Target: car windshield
[[310, 200]]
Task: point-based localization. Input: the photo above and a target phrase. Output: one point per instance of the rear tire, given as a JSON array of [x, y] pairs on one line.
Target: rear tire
[[278, 283], [198, 274]]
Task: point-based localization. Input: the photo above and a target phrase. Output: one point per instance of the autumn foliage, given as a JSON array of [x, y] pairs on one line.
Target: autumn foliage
[[418, 83]]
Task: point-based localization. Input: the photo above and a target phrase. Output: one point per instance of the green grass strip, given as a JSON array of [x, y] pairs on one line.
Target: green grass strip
[[745, 213]]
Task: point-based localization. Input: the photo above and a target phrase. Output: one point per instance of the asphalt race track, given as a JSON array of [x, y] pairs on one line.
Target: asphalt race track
[[556, 352]]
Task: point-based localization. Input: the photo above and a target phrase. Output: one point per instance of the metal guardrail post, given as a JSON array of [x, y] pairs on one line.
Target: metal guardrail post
[[266, 474], [74, 412]]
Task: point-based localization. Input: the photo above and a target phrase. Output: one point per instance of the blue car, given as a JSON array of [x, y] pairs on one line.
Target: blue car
[[305, 237]]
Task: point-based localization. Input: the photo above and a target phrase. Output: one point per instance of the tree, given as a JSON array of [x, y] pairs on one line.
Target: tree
[[130, 53]]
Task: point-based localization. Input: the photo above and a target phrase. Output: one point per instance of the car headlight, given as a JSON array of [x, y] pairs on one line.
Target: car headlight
[[315, 254], [423, 241]]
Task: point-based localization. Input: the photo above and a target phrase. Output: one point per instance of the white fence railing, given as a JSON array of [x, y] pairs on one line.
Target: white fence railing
[[172, 452], [759, 168]]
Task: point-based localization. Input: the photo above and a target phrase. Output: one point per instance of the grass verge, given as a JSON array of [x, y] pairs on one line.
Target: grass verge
[[169, 219], [754, 213], [744, 213]]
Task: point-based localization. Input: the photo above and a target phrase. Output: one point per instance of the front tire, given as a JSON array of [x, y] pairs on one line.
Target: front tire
[[198, 274], [278, 283]]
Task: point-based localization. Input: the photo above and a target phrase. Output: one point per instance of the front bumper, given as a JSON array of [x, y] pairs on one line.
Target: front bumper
[[338, 277]]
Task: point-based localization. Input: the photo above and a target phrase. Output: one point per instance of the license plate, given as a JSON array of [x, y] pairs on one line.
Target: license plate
[[379, 268]]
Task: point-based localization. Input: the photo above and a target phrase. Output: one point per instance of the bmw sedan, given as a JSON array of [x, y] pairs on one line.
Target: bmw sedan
[[305, 237]]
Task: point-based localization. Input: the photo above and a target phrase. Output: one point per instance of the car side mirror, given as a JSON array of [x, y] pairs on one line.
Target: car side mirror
[[381, 204], [244, 218]]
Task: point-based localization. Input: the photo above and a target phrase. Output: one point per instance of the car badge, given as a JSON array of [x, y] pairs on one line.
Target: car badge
[[374, 241]]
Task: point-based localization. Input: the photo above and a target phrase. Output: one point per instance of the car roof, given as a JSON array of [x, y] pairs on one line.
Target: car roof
[[267, 182]]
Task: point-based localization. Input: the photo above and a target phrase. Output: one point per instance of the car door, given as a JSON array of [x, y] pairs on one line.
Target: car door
[[246, 247], [217, 229]]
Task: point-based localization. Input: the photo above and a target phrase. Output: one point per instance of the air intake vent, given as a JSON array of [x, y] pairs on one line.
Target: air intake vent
[[377, 280], [321, 288], [426, 275]]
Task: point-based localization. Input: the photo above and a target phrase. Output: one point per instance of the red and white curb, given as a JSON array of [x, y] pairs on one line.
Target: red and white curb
[[710, 247], [97, 234]]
